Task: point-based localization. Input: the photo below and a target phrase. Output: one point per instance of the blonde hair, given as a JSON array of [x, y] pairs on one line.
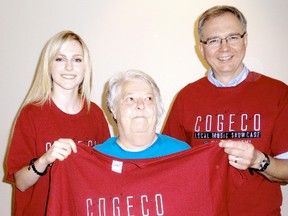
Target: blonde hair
[[41, 87]]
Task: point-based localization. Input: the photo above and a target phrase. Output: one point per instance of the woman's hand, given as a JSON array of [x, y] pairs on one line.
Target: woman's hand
[[60, 150]]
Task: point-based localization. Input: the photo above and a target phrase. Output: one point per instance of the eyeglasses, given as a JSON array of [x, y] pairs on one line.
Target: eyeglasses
[[230, 39]]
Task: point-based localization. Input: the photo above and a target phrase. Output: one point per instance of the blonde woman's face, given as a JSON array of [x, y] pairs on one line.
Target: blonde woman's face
[[68, 68]]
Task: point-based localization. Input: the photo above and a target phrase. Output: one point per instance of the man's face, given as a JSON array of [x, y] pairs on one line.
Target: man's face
[[225, 59]]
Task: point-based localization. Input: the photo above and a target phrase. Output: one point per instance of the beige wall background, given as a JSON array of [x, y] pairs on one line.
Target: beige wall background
[[156, 36]]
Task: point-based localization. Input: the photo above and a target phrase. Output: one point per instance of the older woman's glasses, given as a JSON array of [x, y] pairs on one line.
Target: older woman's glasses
[[230, 39]]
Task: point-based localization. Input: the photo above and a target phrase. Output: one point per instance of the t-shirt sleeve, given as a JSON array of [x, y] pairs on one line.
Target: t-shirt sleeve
[[280, 131], [22, 146], [173, 125], [103, 129]]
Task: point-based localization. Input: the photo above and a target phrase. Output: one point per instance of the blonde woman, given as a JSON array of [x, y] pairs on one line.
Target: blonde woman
[[55, 117]]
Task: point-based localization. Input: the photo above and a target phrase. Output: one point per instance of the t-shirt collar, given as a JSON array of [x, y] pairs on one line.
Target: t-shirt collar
[[242, 76]]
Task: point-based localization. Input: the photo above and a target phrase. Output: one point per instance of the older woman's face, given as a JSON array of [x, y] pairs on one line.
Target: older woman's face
[[136, 109]]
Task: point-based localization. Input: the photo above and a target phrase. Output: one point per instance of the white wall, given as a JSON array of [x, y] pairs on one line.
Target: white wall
[[156, 36]]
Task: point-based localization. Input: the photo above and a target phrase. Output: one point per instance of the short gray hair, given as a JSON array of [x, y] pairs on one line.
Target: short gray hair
[[218, 11], [115, 86]]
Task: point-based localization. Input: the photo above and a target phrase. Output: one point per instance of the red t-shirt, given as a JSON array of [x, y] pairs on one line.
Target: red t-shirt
[[254, 111], [198, 181], [35, 131]]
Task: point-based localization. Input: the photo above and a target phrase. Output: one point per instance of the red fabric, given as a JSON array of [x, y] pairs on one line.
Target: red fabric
[[254, 111], [197, 181], [36, 129]]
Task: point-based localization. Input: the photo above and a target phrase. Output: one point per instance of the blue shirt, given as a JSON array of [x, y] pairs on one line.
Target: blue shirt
[[164, 145], [242, 76]]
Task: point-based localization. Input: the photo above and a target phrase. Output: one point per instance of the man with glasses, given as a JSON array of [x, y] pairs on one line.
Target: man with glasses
[[244, 112]]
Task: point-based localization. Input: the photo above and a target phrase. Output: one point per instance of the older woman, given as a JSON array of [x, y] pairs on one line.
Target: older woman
[[135, 103]]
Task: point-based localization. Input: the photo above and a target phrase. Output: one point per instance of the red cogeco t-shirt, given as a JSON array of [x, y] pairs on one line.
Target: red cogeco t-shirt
[[198, 181]]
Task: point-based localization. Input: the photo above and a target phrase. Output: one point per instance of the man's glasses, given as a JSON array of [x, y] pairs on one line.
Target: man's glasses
[[230, 39]]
